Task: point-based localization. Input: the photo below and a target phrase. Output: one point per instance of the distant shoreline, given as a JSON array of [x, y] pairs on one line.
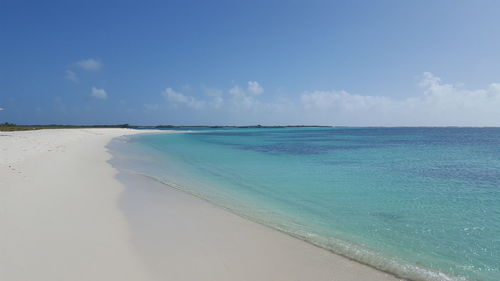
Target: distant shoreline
[[6, 127], [15, 127], [78, 223]]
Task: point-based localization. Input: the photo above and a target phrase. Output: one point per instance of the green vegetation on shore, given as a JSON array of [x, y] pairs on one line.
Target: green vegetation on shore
[[15, 127]]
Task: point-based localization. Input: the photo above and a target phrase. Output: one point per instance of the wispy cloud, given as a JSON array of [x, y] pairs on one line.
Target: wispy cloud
[[1, 109], [439, 104], [90, 64], [254, 88], [99, 93], [175, 98], [236, 98], [71, 76], [216, 95]]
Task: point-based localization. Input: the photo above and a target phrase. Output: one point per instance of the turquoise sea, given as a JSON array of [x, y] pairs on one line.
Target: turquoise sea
[[421, 203]]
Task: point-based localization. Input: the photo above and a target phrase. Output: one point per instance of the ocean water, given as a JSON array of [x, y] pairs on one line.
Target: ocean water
[[421, 203]]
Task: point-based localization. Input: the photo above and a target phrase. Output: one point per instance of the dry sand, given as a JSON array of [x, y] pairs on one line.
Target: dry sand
[[63, 216], [58, 213]]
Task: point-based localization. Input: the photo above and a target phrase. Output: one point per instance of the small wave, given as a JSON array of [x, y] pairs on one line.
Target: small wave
[[357, 253]]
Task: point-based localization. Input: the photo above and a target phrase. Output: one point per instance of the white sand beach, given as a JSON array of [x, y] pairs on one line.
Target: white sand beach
[[64, 216]]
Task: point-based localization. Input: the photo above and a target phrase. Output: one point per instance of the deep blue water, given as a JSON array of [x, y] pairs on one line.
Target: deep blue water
[[423, 203]]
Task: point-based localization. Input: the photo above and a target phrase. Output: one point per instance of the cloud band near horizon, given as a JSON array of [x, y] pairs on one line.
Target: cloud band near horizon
[[439, 104]]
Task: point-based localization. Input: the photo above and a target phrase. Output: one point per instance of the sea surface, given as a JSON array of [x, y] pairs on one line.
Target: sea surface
[[421, 203]]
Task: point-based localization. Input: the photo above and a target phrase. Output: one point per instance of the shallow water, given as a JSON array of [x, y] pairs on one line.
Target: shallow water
[[422, 203]]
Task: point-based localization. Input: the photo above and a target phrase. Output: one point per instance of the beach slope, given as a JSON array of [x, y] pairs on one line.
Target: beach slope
[[58, 208], [65, 215]]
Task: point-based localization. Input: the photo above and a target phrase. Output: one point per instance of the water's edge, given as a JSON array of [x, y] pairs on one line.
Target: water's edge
[[395, 268]]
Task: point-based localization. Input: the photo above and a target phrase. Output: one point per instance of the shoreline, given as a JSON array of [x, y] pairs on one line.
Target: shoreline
[[155, 205], [61, 219], [170, 227]]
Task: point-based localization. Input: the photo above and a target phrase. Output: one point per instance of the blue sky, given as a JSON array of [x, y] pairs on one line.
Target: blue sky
[[269, 62]]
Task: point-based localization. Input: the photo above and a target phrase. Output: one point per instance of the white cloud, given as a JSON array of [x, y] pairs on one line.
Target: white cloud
[[99, 93], [1, 109], [245, 99], [176, 99], [71, 76], [216, 95], [341, 100], [236, 100], [236, 91], [439, 104], [90, 64], [254, 88]]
